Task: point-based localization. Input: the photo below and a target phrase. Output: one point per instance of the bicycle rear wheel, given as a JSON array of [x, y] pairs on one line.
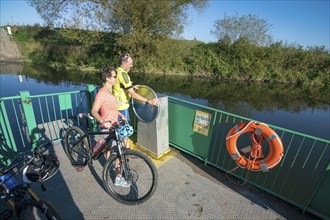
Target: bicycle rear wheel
[[138, 170], [75, 147]]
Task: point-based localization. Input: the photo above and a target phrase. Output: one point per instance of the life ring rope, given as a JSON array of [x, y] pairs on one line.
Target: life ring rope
[[241, 131], [256, 160]]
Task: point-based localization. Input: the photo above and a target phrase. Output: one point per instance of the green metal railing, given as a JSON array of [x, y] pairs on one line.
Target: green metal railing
[[27, 120], [302, 177], [30, 120]]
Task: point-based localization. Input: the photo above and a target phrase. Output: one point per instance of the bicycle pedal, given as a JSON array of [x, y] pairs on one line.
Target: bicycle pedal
[[79, 168]]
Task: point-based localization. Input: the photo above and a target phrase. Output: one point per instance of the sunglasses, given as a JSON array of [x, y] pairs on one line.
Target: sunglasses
[[115, 76]]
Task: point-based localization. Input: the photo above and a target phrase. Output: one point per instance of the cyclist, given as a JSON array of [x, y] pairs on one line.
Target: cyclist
[[124, 89], [105, 111]]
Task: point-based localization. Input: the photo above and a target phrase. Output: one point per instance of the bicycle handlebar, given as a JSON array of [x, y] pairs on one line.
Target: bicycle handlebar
[[33, 156], [114, 125], [15, 163]]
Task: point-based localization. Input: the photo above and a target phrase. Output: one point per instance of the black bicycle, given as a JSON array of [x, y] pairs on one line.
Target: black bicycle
[[136, 168], [24, 202]]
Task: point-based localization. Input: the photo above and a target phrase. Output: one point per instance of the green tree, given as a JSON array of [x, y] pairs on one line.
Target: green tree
[[141, 24], [249, 27]]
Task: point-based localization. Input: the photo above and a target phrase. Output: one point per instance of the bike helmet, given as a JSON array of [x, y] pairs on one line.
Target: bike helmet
[[41, 169], [125, 131]]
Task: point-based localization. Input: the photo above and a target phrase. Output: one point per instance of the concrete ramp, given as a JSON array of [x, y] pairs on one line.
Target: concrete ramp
[[10, 52]]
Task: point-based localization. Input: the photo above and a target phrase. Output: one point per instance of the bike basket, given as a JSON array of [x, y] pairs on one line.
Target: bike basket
[[125, 131]]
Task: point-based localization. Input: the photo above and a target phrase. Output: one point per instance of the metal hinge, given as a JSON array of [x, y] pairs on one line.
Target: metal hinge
[[27, 101]]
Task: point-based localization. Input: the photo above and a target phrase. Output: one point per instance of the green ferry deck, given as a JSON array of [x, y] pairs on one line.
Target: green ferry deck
[[192, 174]]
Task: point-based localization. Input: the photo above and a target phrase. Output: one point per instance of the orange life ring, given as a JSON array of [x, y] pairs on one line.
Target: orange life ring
[[276, 150]]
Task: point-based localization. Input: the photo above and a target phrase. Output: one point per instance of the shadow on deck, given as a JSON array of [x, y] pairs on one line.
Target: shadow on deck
[[186, 190]]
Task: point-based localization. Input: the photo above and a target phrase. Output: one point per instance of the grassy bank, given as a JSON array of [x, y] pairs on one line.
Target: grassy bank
[[239, 61]]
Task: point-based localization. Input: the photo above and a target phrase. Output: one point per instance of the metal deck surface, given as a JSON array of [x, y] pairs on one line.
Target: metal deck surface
[[186, 190]]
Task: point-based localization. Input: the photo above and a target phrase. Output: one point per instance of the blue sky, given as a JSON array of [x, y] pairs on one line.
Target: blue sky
[[302, 22]]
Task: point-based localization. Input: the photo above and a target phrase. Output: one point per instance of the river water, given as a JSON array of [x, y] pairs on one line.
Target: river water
[[301, 109]]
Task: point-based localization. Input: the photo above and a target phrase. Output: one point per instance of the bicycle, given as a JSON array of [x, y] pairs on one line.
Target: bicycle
[[24, 202], [135, 167]]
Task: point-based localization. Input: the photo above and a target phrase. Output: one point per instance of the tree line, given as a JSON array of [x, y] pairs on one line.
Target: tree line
[[222, 60], [92, 33]]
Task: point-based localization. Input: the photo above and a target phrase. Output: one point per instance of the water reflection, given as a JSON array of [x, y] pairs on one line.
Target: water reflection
[[296, 108], [262, 96], [11, 68]]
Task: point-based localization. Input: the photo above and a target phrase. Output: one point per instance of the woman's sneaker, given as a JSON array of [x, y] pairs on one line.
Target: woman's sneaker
[[120, 181]]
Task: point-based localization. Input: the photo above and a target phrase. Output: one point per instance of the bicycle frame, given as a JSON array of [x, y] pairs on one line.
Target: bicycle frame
[[19, 204], [26, 188], [112, 135], [7, 195], [18, 197], [121, 169]]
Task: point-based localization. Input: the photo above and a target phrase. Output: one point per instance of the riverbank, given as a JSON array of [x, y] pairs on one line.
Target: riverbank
[[239, 61]]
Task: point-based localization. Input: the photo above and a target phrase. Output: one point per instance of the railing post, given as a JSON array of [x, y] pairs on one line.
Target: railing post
[[7, 141], [31, 124], [90, 89]]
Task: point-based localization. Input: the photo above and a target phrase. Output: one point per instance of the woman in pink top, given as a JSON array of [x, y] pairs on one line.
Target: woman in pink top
[[105, 112], [105, 105]]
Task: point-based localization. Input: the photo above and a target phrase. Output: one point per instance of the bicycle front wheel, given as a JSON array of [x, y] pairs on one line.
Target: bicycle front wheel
[[40, 211], [32, 212], [51, 211], [76, 147], [138, 171]]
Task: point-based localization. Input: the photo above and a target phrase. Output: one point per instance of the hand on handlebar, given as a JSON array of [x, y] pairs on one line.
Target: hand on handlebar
[[123, 118], [113, 125], [105, 124], [109, 124]]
